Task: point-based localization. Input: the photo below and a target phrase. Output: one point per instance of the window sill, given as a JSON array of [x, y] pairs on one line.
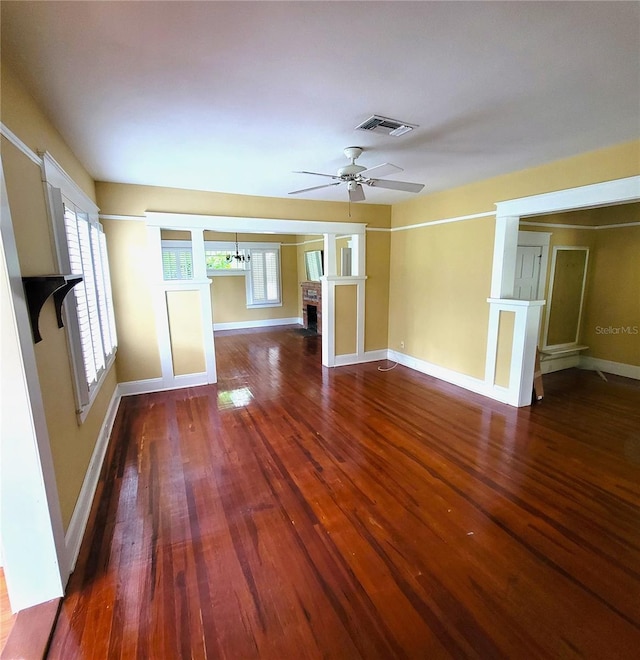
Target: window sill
[[261, 305], [225, 273]]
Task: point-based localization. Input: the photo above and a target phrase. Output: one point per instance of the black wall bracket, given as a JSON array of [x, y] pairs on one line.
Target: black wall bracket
[[38, 289]]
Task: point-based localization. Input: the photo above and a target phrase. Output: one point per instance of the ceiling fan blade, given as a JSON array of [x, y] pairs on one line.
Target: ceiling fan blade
[[326, 185], [397, 185], [331, 176], [381, 170], [357, 194]]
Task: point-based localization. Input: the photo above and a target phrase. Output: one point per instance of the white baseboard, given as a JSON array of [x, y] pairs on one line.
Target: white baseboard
[[149, 385], [80, 517], [354, 358], [476, 385], [266, 323], [617, 368], [549, 365], [189, 380], [145, 386]]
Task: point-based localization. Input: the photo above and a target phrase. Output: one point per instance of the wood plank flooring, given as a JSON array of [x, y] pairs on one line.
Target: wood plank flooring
[[6, 617], [293, 511]]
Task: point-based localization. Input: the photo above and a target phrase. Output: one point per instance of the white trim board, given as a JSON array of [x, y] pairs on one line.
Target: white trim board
[[125, 218], [250, 225], [80, 517], [265, 323], [609, 367], [470, 383], [619, 191], [354, 358], [620, 225], [149, 385], [444, 221], [19, 144]]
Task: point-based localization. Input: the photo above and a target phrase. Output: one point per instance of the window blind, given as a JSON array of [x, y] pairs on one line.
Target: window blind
[[87, 249], [265, 276]]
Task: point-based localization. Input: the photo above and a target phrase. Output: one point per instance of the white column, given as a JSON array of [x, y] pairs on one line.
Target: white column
[[504, 261], [329, 301], [200, 275], [358, 255], [160, 305], [523, 350]]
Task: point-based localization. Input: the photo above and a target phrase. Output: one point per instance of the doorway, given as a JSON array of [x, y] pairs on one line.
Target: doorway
[[527, 316]]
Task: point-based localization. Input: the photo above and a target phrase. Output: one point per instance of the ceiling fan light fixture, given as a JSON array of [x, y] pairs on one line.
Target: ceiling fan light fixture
[[355, 176]]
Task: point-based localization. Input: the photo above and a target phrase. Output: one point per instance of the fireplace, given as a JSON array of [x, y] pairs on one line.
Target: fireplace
[[312, 318], [312, 306]]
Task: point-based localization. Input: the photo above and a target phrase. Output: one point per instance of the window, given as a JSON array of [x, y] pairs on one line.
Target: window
[[177, 260], [93, 330], [218, 262], [263, 286], [89, 314]]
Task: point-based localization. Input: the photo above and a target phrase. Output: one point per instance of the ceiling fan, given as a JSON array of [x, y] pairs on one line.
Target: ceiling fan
[[355, 176]]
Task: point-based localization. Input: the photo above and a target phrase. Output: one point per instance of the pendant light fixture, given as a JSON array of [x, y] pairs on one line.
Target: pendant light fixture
[[237, 256]]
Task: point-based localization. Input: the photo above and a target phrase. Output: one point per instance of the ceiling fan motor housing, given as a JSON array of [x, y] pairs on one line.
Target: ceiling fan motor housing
[[353, 152], [351, 170]]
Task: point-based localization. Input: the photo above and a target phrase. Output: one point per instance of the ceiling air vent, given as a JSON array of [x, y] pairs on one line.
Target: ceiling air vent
[[379, 124]]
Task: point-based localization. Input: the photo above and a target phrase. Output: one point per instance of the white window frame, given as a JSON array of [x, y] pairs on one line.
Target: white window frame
[[177, 245], [63, 192], [225, 246], [254, 250]]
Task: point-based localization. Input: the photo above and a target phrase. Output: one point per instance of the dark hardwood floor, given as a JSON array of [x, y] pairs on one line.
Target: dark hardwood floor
[[297, 512]]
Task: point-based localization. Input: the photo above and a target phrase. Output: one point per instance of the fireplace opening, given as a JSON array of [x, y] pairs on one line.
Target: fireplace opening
[[312, 318]]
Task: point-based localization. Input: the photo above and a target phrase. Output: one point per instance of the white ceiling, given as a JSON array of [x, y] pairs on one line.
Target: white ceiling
[[233, 96]]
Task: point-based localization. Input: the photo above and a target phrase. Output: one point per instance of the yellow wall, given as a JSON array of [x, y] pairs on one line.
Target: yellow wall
[[440, 282], [613, 299], [504, 348], [614, 162], [124, 199], [71, 445], [440, 275], [21, 115], [346, 331], [138, 357], [185, 329], [377, 295]]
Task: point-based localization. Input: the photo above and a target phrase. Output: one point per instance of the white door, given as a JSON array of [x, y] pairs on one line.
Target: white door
[[527, 272]]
